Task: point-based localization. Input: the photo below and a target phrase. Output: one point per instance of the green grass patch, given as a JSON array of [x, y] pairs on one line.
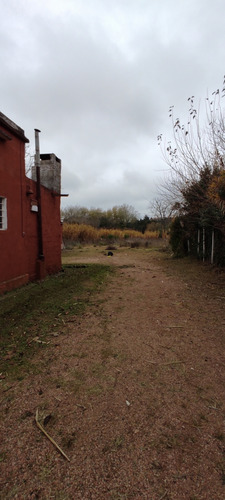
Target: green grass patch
[[95, 390], [30, 313]]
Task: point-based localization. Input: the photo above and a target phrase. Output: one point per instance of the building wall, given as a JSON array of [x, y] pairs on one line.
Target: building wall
[[19, 261], [51, 232], [12, 242]]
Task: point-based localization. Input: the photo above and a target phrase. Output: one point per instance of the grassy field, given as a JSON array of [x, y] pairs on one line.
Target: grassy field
[[31, 314]]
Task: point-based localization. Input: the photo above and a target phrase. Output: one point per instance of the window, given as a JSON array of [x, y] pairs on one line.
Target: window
[[3, 213]]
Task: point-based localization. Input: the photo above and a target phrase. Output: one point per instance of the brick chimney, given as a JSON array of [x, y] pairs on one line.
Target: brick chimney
[[50, 172]]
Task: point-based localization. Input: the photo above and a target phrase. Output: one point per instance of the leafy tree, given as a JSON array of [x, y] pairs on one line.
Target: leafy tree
[[82, 215], [124, 216], [141, 224], [120, 217]]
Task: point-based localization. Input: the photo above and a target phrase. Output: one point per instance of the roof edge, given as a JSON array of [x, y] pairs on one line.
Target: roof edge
[[12, 127]]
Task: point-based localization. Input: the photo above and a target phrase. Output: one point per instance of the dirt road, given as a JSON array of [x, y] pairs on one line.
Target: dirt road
[[134, 391]]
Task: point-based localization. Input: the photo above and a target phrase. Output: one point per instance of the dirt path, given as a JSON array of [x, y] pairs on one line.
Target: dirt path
[[134, 390]]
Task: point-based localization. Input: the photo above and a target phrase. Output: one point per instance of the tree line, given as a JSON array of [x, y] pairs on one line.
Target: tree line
[[119, 217]]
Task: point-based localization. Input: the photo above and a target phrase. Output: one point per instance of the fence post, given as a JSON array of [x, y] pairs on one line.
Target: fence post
[[212, 248], [198, 245], [203, 244]]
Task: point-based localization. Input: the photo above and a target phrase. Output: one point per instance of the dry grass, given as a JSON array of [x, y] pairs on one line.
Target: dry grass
[[81, 233]]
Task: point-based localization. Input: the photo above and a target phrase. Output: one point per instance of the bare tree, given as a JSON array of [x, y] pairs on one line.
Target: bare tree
[[29, 160], [161, 210], [198, 145]]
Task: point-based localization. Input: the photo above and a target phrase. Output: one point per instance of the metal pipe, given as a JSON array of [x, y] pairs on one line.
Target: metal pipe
[[38, 175]]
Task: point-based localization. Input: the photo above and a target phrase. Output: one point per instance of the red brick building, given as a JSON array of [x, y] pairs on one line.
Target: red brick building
[[30, 225]]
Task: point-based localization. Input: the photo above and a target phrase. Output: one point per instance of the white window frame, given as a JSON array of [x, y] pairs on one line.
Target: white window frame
[[3, 213]]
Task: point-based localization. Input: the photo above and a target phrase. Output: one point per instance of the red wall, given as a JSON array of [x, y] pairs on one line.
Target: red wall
[[19, 261], [51, 232], [12, 243]]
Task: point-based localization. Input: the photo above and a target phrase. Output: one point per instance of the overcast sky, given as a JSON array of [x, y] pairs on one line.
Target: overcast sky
[[97, 77]]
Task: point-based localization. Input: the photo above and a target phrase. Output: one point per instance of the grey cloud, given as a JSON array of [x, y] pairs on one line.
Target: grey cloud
[[98, 78]]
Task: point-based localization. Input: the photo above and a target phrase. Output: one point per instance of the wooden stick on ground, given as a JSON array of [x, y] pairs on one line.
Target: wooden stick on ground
[[166, 364], [175, 326], [163, 496], [50, 438], [81, 406]]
